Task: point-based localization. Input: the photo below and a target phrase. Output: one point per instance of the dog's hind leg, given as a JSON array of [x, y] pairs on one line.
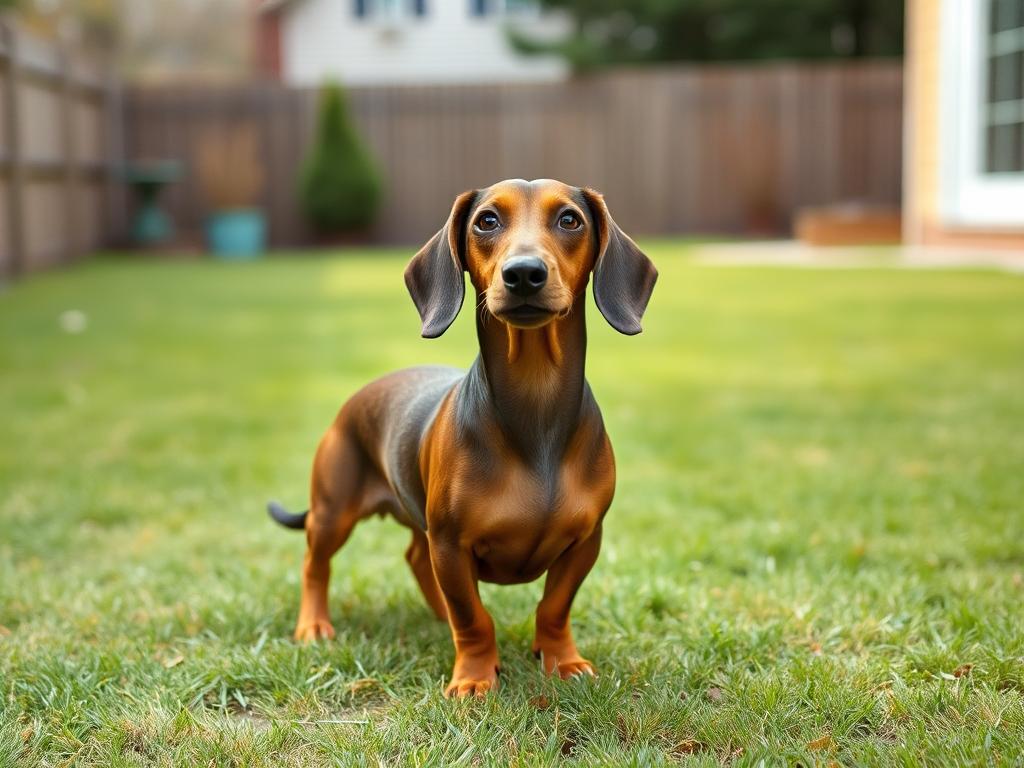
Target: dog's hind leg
[[335, 509], [418, 557], [323, 541]]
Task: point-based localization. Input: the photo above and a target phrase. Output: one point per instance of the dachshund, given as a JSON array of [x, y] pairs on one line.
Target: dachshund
[[504, 472]]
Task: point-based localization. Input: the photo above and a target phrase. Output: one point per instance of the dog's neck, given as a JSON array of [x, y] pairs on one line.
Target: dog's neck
[[534, 379]]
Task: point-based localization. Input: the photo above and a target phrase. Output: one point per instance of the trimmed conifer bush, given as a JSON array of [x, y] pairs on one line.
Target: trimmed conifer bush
[[340, 187]]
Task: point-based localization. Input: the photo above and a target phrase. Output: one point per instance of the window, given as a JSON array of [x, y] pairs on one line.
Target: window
[[521, 6], [389, 9], [495, 7], [1003, 115], [981, 125]]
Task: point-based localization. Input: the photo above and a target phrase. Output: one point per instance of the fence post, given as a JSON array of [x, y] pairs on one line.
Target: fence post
[[68, 150], [15, 160], [115, 197]]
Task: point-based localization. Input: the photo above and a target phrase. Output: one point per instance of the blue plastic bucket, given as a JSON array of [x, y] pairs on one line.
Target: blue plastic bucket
[[237, 234]]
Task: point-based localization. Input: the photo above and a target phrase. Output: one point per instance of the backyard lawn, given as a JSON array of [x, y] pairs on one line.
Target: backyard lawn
[[815, 555]]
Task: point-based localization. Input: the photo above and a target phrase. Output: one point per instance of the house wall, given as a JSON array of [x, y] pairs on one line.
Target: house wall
[[922, 209], [323, 39]]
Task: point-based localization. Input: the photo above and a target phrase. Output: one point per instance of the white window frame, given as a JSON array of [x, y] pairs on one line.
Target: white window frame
[[970, 196]]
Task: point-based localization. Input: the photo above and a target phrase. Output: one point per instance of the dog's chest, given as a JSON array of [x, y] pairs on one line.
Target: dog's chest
[[517, 528]]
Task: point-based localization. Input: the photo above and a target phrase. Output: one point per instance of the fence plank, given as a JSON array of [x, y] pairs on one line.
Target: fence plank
[[66, 94], [14, 158], [55, 160]]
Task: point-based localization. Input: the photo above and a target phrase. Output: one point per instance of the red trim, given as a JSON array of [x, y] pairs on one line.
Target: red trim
[[267, 45]]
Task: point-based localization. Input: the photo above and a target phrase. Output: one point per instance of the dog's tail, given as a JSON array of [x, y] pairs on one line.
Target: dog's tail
[[288, 519]]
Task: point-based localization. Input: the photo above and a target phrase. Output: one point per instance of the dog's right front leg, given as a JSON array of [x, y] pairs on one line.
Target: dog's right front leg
[[476, 651]]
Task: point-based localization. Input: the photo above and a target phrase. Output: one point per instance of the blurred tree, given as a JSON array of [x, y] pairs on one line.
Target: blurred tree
[[340, 187], [151, 39], [184, 39], [90, 23], [606, 32]]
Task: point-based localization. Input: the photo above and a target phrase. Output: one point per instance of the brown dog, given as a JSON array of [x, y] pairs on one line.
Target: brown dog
[[506, 471]]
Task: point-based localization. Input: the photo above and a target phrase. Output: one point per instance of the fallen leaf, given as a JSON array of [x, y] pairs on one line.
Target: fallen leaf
[[687, 747], [714, 695], [822, 743], [27, 734], [568, 743], [540, 702], [816, 649], [1018, 580], [963, 670], [364, 682], [173, 661], [4, 631]]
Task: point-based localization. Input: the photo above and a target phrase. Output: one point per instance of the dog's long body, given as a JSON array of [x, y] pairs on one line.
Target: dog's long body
[[505, 472]]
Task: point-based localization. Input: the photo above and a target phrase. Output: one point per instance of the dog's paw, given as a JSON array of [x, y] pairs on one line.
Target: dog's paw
[[461, 688], [313, 630], [573, 668], [473, 678], [565, 664]]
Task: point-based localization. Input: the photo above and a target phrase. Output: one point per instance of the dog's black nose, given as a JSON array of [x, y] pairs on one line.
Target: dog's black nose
[[524, 275]]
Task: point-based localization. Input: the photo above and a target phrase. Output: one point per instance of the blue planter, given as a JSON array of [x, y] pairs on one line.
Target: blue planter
[[238, 234]]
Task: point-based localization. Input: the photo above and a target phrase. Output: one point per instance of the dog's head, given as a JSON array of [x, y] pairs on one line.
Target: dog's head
[[529, 248]]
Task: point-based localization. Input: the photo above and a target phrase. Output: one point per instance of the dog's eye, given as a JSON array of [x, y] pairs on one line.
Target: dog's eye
[[487, 222], [569, 221]]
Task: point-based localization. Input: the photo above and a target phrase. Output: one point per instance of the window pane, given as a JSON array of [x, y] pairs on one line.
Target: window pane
[[1006, 14], [1002, 115], [1004, 78], [1006, 148], [527, 6]]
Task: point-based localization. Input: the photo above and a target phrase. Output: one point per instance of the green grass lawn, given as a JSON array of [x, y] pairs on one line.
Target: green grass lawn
[[815, 553]]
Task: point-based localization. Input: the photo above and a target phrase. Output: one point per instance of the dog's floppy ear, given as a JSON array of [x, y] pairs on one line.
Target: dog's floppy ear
[[434, 276], [623, 276]]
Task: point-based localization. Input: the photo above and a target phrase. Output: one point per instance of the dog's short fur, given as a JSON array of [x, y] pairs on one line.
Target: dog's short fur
[[505, 472]]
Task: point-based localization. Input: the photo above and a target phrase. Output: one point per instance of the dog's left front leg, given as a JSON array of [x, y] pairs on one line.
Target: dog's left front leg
[[476, 650], [553, 642]]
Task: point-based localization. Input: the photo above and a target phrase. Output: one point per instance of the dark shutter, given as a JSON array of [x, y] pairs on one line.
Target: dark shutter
[[359, 8], [478, 7], [419, 7]]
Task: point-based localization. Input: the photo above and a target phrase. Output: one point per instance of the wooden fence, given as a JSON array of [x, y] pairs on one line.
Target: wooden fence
[[56, 148], [676, 150]]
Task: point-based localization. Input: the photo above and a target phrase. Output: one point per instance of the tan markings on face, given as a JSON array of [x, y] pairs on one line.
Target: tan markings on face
[[546, 221]]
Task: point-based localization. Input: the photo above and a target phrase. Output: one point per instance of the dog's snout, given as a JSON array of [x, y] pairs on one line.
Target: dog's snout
[[524, 275]]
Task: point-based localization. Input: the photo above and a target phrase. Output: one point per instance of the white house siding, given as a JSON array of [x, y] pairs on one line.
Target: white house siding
[[323, 39]]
